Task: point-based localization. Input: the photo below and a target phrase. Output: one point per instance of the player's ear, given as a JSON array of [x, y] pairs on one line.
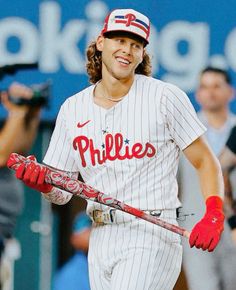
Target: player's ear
[[100, 43]]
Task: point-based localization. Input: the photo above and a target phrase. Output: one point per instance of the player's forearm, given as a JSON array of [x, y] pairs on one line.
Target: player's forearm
[[57, 196], [210, 176], [208, 167]]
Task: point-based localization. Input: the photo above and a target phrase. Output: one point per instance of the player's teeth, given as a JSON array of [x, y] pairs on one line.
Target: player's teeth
[[122, 60]]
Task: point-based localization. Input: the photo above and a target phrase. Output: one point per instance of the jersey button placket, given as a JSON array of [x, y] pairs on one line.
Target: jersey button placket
[[108, 126], [104, 132]]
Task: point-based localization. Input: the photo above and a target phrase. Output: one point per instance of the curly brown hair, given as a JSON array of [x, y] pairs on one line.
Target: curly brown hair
[[94, 64]]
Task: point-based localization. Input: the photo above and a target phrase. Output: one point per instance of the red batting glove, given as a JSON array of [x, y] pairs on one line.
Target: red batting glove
[[206, 233], [33, 175]]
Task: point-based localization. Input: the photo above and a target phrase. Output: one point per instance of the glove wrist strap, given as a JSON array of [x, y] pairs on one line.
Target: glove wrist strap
[[214, 202]]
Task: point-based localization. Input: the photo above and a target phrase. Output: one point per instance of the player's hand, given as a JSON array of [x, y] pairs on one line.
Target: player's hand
[[33, 175], [206, 233]]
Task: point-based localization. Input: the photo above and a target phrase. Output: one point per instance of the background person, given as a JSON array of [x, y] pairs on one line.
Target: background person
[[216, 270], [16, 135], [73, 275], [228, 163]]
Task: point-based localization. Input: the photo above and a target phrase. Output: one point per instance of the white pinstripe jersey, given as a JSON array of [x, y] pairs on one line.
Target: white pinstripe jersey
[[131, 150]]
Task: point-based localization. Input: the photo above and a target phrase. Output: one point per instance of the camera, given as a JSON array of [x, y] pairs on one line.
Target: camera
[[41, 94]]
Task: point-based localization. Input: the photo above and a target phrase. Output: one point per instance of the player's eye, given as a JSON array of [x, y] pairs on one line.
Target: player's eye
[[120, 40], [137, 46]]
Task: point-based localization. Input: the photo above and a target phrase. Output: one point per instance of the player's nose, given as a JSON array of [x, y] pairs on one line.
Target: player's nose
[[126, 48]]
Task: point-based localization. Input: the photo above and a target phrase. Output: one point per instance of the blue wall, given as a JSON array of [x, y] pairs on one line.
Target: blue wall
[[186, 36]]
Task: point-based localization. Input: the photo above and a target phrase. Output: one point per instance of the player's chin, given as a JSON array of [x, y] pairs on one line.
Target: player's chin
[[122, 74]]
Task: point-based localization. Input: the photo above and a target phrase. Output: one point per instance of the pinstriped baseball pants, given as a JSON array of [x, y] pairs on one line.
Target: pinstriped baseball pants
[[135, 255]]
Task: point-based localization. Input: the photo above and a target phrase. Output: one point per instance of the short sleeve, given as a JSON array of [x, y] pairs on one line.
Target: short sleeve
[[231, 143], [180, 116], [60, 151]]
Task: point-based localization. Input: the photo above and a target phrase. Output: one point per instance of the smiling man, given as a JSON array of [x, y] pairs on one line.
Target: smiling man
[[124, 135]]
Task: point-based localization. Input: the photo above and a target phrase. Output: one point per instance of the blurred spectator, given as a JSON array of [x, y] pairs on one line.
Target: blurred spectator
[[16, 135], [228, 156], [218, 268], [74, 274], [228, 163]]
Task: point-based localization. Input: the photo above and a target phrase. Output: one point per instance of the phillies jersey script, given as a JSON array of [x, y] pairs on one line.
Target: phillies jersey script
[[131, 150]]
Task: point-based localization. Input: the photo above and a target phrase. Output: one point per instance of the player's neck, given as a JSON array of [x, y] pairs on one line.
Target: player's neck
[[115, 88]]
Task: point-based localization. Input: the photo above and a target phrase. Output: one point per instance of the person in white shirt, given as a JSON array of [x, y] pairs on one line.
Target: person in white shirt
[[214, 94]]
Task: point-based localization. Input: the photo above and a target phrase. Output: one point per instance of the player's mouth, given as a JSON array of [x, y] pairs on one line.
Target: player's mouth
[[123, 61]]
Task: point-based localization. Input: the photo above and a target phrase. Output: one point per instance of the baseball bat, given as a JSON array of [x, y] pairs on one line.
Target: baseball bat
[[78, 188]]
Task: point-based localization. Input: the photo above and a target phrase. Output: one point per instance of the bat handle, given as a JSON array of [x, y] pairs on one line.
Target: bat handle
[[16, 160]]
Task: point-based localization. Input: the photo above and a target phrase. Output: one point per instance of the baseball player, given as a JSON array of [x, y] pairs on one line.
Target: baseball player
[[124, 134]]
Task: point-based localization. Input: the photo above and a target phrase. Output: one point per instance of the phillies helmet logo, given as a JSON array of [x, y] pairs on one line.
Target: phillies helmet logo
[[130, 17]]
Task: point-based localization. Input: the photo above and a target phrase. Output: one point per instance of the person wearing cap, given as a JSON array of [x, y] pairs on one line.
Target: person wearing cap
[[73, 275], [124, 134]]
